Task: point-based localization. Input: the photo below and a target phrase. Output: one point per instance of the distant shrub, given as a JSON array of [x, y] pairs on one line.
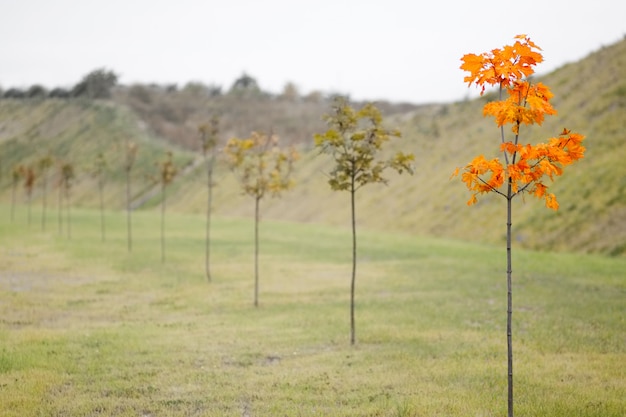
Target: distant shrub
[[96, 84], [214, 90], [141, 93], [14, 93], [36, 91], [245, 85], [59, 93]]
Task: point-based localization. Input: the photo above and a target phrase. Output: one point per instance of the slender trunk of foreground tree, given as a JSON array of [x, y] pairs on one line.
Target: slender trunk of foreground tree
[[509, 308]]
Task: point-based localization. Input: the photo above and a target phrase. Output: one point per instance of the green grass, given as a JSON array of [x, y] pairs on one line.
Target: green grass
[[88, 329]]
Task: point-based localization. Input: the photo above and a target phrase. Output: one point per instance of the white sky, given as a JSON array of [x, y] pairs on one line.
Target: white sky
[[400, 50]]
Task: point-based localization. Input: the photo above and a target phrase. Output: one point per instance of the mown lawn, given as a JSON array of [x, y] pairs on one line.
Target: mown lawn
[[88, 329]]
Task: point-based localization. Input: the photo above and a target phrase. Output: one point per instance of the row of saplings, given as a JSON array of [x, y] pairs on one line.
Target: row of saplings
[[354, 139]]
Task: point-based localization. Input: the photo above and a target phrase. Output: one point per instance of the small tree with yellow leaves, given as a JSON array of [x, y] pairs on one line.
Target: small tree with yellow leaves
[[261, 167], [526, 167], [355, 139]]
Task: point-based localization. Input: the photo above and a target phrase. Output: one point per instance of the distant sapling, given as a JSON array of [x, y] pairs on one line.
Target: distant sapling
[[131, 154], [16, 174], [29, 176], [354, 140], [67, 176], [44, 165], [261, 167], [167, 172], [99, 171], [208, 141]]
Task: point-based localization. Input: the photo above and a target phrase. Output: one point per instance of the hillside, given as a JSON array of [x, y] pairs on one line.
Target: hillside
[[590, 96]]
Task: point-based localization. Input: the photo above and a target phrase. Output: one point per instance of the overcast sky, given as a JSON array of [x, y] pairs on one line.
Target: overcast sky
[[400, 50]]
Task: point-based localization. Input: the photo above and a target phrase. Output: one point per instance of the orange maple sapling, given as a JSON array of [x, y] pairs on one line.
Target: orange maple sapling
[[525, 166]]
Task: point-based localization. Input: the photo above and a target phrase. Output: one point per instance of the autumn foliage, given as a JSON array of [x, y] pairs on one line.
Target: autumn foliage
[[262, 166], [526, 167]]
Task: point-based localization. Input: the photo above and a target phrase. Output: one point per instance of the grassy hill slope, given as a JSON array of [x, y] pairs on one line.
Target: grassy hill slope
[[590, 96]]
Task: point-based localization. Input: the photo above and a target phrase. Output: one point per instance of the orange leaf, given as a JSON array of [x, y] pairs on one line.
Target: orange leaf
[[551, 202], [509, 147], [540, 190]]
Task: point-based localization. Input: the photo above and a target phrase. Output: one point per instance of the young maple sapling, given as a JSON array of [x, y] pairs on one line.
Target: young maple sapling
[[526, 166]]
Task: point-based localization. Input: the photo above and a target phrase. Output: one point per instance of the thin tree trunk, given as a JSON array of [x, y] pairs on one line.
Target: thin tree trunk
[[13, 203], [208, 218], [60, 209], [353, 283], [163, 223], [256, 251], [69, 215], [509, 310], [101, 191], [509, 273], [29, 208], [128, 214], [43, 203]]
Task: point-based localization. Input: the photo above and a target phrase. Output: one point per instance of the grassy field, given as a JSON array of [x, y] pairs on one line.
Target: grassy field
[[88, 329]]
